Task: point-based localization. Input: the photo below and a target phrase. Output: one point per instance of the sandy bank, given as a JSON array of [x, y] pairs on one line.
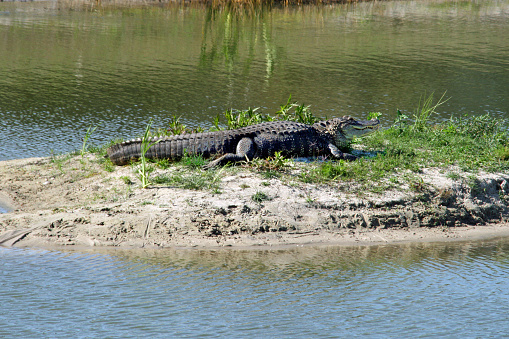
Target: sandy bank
[[75, 202]]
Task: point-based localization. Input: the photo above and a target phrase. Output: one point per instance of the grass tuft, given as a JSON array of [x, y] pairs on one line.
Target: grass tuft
[[88, 134], [424, 111], [196, 179], [143, 168], [259, 197]]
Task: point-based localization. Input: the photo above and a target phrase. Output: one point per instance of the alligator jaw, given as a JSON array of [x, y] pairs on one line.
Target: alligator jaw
[[354, 129]]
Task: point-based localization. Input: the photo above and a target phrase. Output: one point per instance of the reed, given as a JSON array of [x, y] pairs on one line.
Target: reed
[[88, 134], [144, 169], [425, 109]]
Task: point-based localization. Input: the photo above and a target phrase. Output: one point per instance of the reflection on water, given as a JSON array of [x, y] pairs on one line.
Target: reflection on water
[[421, 289], [63, 70]]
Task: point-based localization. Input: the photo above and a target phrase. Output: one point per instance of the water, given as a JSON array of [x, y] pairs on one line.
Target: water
[[63, 70], [421, 290]]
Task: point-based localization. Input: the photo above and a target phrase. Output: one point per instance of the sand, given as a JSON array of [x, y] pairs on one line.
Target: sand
[[74, 202]]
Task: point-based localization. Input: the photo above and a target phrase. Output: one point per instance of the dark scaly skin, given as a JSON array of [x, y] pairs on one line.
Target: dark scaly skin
[[257, 141]]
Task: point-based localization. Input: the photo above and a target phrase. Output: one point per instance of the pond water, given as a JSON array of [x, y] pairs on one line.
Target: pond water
[[64, 68], [422, 290]]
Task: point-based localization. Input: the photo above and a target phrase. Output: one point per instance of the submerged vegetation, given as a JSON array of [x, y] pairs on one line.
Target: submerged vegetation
[[387, 158]]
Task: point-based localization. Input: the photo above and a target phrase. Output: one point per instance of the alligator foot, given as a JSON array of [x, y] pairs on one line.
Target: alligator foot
[[340, 155]]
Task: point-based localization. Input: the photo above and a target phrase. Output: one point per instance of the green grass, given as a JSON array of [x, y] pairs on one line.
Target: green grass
[[192, 161], [424, 110], [241, 118], [473, 148], [196, 179], [260, 197], [275, 163], [294, 112]]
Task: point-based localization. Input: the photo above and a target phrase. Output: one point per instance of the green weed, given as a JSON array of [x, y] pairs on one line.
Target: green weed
[[241, 118], [475, 184], [416, 184], [84, 146], [295, 112], [502, 152], [101, 155], [192, 161], [126, 180], [270, 174], [374, 115], [175, 127], [400, 121], [276, 163], [163, 163], [259, 197], [328, 171], [60, 160], [194, 179], [424, 110], [453, 176], [143, 168]]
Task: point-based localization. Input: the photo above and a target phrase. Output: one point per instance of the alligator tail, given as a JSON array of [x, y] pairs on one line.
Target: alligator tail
[[124, 153]]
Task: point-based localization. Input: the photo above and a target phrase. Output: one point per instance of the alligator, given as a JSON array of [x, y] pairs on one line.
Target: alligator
[[292, 139]]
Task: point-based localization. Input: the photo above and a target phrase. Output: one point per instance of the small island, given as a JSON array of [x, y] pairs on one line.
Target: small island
[[412, 181]]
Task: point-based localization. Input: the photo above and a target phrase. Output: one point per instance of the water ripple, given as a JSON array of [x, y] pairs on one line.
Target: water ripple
[[439, 290]]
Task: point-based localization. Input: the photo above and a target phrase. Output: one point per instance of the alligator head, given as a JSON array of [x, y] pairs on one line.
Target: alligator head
[[343, 130]]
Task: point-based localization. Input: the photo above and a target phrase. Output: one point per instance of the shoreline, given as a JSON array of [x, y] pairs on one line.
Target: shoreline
[[394, 237], [74, 203]]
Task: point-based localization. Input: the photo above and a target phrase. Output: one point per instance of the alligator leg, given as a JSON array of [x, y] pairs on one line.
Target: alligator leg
[[340, 155], [246, 150]]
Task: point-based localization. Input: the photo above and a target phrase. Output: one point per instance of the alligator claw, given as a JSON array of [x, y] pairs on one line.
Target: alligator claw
[[210, 165]]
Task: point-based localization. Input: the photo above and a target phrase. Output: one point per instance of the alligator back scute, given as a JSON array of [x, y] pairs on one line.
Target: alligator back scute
[[291, 137]]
